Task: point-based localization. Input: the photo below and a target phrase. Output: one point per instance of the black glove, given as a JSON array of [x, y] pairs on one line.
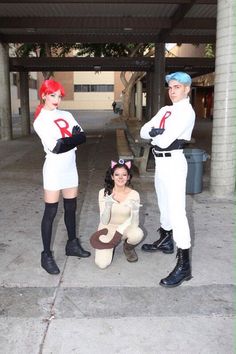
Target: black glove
[[156, 131], [76, 130], [67, 144]]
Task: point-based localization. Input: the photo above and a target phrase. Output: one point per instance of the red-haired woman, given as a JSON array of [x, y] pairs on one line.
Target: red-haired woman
[[60, 134]]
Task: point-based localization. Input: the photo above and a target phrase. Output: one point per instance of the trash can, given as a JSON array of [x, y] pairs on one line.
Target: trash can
[[195, 159]]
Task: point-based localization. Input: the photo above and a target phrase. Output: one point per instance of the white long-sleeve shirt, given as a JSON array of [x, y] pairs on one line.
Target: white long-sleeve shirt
[[53, 125], [178, 125]]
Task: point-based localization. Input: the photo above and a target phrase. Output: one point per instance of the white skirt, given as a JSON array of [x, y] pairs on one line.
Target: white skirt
[[60, 171]]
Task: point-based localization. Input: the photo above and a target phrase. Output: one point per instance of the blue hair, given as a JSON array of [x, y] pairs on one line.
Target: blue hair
[[181, 77]]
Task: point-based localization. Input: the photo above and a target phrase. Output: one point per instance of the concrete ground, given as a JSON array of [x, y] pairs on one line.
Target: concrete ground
[[120, 310]]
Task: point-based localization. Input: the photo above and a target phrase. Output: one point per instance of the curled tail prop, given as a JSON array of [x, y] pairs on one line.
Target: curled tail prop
[[98, 244]]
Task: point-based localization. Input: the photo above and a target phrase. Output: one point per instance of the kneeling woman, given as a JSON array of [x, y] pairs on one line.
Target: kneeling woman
[[119, 216]]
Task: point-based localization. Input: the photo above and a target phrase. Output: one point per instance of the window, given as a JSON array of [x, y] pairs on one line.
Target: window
[[93, 88]]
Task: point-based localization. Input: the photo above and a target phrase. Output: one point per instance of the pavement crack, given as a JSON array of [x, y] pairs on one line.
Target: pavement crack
[[52, 313]]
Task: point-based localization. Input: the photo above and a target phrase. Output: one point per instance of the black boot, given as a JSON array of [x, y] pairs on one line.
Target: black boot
[[74, 248], [164, 244], [49, 264], [129, 251], [181, 272]]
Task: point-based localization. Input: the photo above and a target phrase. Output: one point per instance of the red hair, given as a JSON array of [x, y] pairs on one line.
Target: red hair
[[48, 87]]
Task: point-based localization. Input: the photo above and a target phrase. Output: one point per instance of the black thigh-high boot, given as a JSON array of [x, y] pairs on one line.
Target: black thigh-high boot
[[73, 246], [47, 260], [164, 243], [181, 272]]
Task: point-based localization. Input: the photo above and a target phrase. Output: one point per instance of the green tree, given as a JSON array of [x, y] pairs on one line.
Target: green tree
[[210, 50], [120, 50]]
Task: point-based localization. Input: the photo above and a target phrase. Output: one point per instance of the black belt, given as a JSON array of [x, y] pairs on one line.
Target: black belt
[[161, 154], [177, 144]]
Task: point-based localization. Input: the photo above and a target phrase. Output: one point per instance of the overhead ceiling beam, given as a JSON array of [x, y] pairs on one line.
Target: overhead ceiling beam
[[197, 23], [85, 23], [80, 64], [106, 38], [109, 64], [101, 23], [68, 2], [190, 39], [178, 16], [191, 63]]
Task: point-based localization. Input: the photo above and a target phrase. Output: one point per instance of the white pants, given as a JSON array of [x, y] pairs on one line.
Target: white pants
[[170, 185]]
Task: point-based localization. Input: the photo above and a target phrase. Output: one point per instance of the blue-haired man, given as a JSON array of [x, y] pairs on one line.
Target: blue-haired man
[[168, 130]]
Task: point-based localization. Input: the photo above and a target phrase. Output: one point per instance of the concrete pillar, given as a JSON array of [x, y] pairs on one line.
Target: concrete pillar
[[222, 182], [5, 96], [149, 96], [159, 78], [24, 99], [139, 100]]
